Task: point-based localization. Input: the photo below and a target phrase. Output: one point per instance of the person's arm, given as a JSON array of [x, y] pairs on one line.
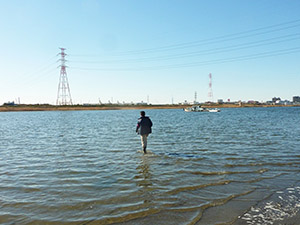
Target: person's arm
[[138, 126]]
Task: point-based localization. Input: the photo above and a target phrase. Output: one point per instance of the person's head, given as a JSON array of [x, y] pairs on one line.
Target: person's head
[[142, 113]]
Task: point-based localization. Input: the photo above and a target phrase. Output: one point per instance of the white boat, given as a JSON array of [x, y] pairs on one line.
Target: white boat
[[197, 108], [214, 110], [194, 108]]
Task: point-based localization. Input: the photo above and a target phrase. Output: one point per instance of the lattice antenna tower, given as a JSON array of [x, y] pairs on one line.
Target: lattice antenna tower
[[63, 93], [210, 91]]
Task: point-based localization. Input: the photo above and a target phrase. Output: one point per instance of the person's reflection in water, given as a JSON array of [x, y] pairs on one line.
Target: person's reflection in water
[[144, 179]]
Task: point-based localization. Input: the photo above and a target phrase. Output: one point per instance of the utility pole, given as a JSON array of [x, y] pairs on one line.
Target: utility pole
[[63, 93]]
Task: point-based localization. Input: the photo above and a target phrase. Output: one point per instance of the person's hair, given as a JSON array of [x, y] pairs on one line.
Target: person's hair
[[143, 113]]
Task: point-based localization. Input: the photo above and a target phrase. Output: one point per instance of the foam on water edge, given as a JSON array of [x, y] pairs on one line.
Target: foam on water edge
[[280, 206]]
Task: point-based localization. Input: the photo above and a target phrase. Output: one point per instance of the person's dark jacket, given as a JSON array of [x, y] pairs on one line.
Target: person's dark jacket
[[144, 125]]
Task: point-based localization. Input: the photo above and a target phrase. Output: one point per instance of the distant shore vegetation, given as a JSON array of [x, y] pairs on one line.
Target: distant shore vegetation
[[8, 107]]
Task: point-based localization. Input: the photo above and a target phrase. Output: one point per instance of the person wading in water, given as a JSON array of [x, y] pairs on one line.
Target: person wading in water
[[143, 128]]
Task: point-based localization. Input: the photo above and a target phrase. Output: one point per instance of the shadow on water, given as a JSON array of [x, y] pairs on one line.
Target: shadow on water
[[183, 155]]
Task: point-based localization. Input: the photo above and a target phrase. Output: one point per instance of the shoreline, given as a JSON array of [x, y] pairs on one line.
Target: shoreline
[[22, 108], [281, 207]]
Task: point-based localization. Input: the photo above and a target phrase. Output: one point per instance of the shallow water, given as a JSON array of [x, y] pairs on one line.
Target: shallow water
[[86, 167]]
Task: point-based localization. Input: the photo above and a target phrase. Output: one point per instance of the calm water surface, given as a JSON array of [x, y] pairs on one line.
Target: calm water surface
[[86, 167]]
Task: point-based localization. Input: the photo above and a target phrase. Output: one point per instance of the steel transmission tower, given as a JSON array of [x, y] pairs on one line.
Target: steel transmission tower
[[63, 93], [210, 92]]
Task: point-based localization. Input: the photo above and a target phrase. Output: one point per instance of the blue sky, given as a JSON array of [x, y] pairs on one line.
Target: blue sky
[[126, 50]]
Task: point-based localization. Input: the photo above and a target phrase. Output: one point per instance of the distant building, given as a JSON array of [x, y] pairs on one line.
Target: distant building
[[275, 99], [220, 101], [296, 99], [286, 102], [142, 103], [9, 103], [282, 102], [253, 102]]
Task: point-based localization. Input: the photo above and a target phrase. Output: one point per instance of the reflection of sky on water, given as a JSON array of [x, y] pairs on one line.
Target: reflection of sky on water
[[90, 161]]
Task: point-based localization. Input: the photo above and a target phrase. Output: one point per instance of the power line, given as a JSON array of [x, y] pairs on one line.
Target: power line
[[41, 68], [34, 76], [214, 40], [201, 63], [38, 79], [207, 41], [252, 44]]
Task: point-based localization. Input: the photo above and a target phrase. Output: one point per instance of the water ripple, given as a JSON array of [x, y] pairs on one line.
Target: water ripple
[[87, 167]]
